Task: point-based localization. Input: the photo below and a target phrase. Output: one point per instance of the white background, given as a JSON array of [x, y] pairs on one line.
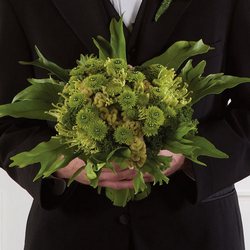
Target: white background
[[15, 203]]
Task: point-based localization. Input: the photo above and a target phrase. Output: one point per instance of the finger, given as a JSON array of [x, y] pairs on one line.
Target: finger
[[117, 168], [171, 170], [118, 185], [122, 175], [148, 179]]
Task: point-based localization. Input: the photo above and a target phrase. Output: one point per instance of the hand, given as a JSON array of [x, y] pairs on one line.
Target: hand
[[120, 180]]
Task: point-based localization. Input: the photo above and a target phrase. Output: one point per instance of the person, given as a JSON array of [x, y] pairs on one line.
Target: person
[[191, 212]]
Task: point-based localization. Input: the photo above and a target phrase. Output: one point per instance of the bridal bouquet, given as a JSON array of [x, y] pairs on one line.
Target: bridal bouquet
[[105, 110]]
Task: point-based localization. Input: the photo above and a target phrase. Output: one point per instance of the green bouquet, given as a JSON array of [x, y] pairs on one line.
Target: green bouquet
[[107, 111]]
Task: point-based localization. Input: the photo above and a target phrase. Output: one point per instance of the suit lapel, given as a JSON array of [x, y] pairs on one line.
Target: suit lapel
[[87, 18]]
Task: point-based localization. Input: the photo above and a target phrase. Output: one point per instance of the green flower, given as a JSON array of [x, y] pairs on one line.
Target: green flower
[[93, 65], [113, 88], [150, 129], [127, 99], [152, 71], [135, 76], [76, 100], [88, 65], [155, 116], [95, 82], [84, 118], [97, 130], [116, 67], [143, 99], [123, 135]]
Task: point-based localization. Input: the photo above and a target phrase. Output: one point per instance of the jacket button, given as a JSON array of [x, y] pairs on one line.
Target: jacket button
[[124, 219]]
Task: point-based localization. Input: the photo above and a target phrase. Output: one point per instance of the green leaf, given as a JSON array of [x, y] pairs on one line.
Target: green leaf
[[139, 183], [206, 148], [44, 80], [144, 194], [77, 172], [164, 6], [89, 170], [164, 161], [42, 62], [34, 101], [45, 92], [178, 53], [214, 84], [117, 40], [190, 73], [200, 86], [119, 197], [116, 151], [104, 47], [181, 147], [31, 109], [194, 146], [51, 155], [116, 48], [152, 167]]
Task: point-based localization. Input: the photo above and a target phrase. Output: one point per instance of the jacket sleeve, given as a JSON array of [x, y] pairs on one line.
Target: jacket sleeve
[[17, 135], [231, 132]]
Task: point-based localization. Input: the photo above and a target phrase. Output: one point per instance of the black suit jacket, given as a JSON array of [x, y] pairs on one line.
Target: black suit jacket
[[181, 215]]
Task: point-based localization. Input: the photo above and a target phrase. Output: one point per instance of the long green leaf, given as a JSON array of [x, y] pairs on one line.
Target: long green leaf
[[201, 86], [190, 73], [116, 48], [214, 84], [194, 147], [104, 47], [117, 39], [47, 154], [164, 6], [206, 148], [178, 53], [42, 62], [31, 109], [45, 92]]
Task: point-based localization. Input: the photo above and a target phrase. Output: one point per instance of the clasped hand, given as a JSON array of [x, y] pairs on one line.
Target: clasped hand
[[123, 178]]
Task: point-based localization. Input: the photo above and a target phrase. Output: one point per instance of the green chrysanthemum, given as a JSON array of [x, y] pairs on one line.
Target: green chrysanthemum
[[135, 76], [84, 118], [143, 99], [93, 65], [127, 99], [97, 130], [155, 115], [150, 129], [76, 100], [83, 141], [152, 72], [158, 93], [95, 82], [87, 65], [113, 88], [116, 67], [123, 135]]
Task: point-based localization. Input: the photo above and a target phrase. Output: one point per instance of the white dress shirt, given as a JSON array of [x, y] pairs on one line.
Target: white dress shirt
[[127, 8]]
